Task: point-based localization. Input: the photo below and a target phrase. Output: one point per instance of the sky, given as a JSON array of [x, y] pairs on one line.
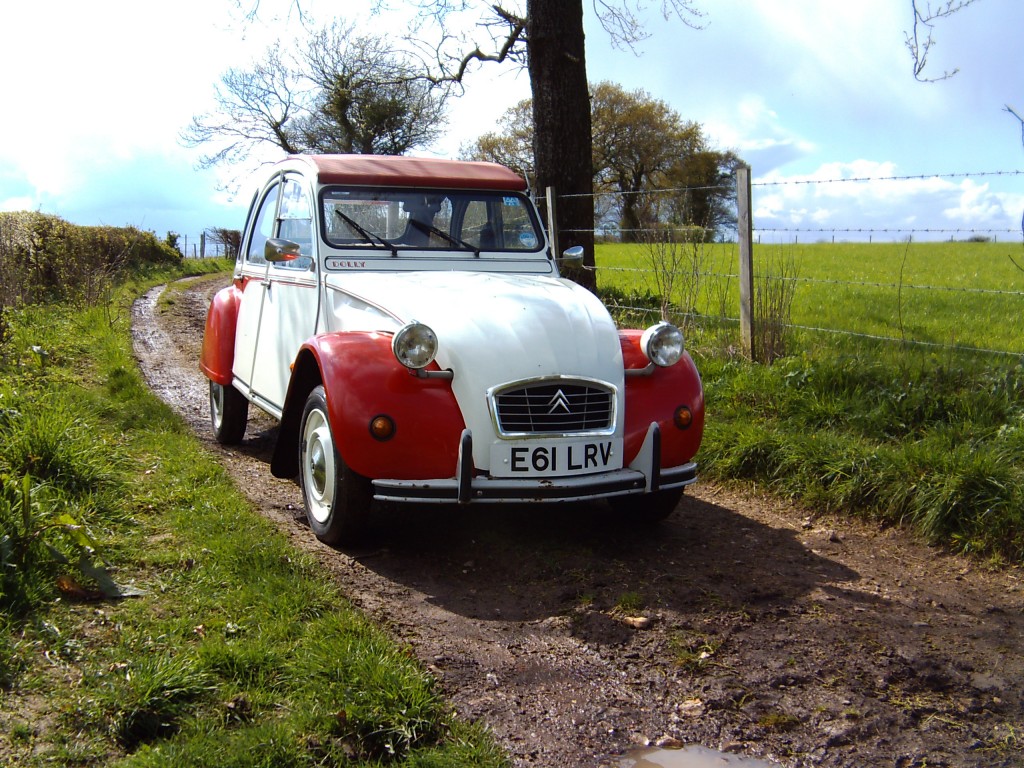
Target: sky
[[807, 92]]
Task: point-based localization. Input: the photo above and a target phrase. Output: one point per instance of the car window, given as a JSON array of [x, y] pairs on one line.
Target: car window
[[263, 227], [296, 223], [466, 221]]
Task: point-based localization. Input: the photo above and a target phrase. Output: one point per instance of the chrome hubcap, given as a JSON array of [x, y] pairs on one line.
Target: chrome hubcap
[[318, 466]]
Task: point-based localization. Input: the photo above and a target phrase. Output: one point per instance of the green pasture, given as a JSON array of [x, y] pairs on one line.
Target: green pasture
[[943, 293]]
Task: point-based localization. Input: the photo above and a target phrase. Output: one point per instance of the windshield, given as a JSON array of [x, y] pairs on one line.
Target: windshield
[[393, 220]]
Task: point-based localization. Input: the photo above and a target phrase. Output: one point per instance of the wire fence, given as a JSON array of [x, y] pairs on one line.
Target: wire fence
[[955, 288], [202, 246], [930, 287]]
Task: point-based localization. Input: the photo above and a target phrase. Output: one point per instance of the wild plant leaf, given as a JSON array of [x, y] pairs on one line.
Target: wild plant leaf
[[76, 531], [109, 587]]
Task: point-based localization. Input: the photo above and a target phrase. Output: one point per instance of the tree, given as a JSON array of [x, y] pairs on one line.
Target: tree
[[368, 100], [344, 93], [659, 167], [229, 239], [548, 37], [254, 107], [638, 142]]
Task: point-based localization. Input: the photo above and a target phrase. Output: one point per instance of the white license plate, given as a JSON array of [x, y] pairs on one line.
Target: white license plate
[[527, 458]]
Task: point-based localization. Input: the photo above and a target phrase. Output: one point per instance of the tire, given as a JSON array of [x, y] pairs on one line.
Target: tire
[[229, 412], [337, 500], [649, 507]]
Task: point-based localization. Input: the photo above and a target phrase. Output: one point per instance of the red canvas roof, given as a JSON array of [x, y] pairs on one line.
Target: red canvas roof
[[386, 170]]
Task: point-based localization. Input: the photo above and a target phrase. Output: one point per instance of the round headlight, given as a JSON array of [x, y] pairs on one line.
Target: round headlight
[[415, 345], [663, 344]]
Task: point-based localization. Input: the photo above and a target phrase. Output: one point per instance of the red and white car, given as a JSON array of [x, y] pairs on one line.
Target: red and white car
[[405, 321]]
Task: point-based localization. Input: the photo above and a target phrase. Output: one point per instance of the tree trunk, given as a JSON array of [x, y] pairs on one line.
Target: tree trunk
[[561, 116]]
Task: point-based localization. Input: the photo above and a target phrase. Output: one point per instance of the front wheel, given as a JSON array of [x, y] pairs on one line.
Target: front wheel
[[229, 412], [649, 507], [337, 499]]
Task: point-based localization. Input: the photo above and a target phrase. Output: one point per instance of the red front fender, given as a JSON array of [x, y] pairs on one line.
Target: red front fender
[[363, 380], [218, 353], [656, 398]]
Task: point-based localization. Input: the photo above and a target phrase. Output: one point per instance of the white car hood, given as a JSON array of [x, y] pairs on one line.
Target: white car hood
[[492, 329]]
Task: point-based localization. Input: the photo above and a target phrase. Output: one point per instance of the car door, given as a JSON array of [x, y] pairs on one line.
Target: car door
[[291, 302], [254, 277]]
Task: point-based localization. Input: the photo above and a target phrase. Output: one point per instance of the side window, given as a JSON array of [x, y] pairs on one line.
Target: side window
[[477, 228], [296, 223], [263, 227], [517, 232]]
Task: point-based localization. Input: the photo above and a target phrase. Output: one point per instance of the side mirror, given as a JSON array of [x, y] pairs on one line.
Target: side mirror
[[572, 256], [278, 249]]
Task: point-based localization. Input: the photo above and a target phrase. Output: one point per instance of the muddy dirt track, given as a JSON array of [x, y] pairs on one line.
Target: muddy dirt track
[[740, 623]]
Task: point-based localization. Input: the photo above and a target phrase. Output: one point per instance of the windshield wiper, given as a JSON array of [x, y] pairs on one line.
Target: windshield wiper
[[429, 228], [369, 237]]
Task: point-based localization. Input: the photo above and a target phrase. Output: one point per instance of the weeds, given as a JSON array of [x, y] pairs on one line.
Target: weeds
[[675, 270], [778, 721], [630, 603], [774, 289], [694, 651]]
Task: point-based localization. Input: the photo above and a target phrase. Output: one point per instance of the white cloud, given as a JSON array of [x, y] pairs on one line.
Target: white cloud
[[24, 203], [865, 198], [978, 205]]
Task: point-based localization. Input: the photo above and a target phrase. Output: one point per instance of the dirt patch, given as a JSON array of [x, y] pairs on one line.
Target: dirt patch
[[741, 623]]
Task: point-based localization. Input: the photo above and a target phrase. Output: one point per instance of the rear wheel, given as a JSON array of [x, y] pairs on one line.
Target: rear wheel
[[229, 412], [649, 507], [337, 499]]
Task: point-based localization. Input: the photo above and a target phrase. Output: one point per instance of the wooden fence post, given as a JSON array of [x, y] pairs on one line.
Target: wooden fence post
[[745, 231], [549, 193]]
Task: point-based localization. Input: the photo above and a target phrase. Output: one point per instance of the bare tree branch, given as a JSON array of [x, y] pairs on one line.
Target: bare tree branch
[[920, 40], [1013, 112], [516, 34], [620, 19]]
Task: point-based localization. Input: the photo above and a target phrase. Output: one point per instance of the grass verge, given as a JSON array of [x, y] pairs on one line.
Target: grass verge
[[225, 646], [901, 436]]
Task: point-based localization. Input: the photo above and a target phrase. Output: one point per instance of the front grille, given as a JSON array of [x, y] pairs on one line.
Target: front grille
[[553, 407]]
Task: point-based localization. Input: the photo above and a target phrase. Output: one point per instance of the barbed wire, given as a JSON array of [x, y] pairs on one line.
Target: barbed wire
[[835, 332], [617, 231], [826, 281], [861, 179], [791, 182], [885, 230], [652, 192]]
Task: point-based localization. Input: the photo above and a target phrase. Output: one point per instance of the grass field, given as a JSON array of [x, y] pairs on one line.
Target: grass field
[[947, 293]]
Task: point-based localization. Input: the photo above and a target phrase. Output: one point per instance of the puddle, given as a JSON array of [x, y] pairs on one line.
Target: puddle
[[688, 757]]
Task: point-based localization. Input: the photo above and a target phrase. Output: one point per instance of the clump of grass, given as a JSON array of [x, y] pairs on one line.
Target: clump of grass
[[778, 721], [630, 602], [151, 695], [384, 704], [11, 663], [932, 443], [693, 651]]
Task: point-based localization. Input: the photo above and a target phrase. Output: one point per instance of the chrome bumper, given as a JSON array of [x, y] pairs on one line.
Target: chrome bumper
[[644, 475]]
